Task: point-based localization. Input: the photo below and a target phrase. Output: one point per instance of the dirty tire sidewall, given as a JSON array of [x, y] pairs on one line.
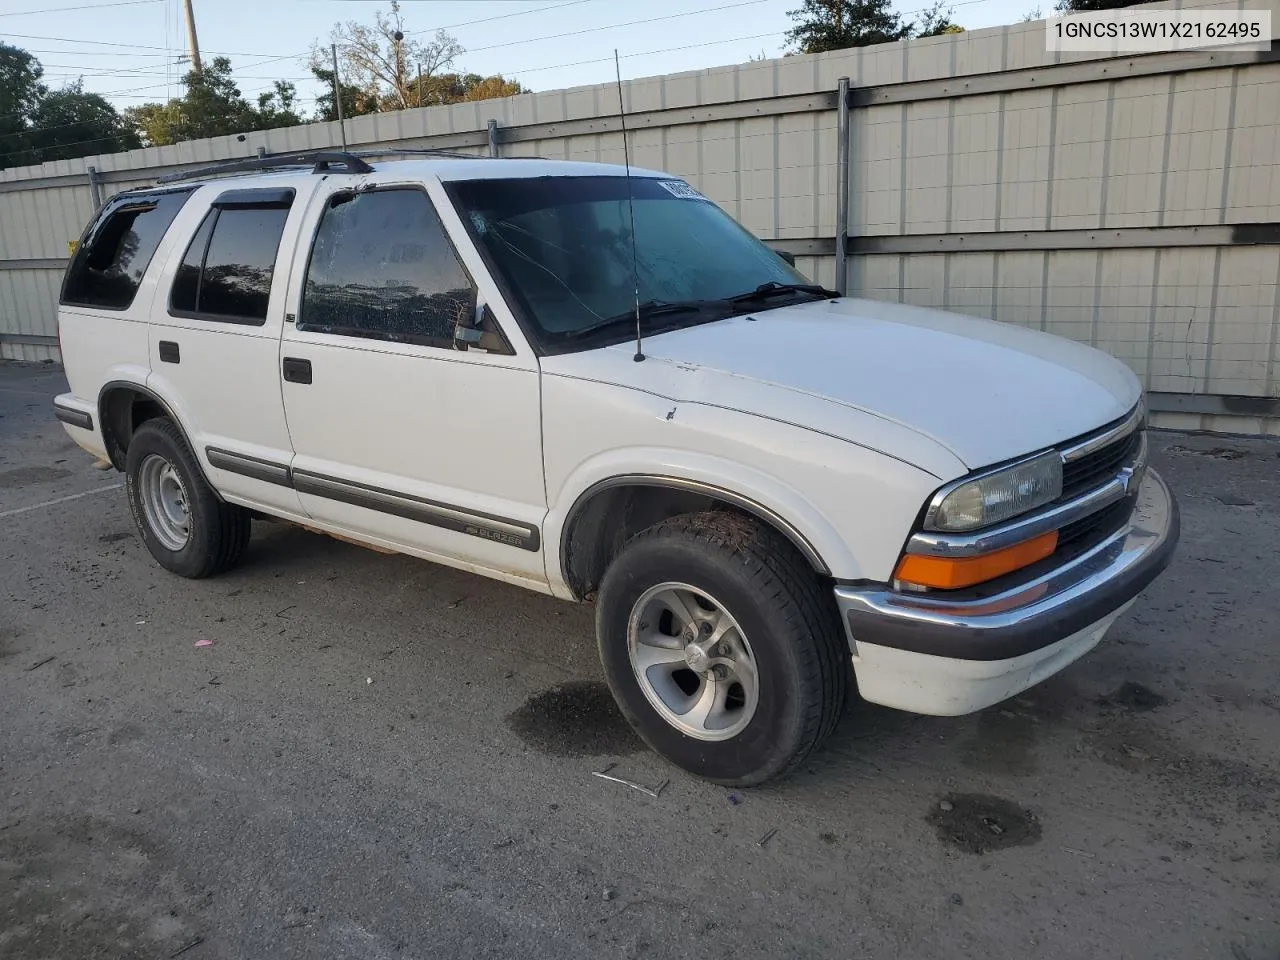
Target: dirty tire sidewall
[[219, 532], [776, 609]]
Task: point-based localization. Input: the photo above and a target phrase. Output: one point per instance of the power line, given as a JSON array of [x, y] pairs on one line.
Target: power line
[[555, 36], [501, 16], [233, 53], [515, 73], [126, 46], [555, 66], [95, 6], [79, 71], [615, 26], [149, 69], [91, 53]]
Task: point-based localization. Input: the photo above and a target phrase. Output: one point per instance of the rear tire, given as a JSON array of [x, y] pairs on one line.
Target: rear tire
[[186, 527], [722, 647]]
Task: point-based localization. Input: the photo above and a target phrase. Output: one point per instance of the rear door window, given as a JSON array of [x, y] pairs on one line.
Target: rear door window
[[109, 264], [227, 270]]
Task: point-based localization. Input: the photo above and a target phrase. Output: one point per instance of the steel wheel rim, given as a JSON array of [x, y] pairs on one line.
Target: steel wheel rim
[[693, 662], [164, 502]]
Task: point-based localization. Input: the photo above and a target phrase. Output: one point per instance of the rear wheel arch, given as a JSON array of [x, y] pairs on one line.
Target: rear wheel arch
[[124, 406], [610, 512]]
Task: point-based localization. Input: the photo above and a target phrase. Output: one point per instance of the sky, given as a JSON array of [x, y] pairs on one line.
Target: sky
[[130, 50]]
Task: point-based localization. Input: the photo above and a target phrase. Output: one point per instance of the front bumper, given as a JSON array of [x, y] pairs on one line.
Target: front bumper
[[924, 653]]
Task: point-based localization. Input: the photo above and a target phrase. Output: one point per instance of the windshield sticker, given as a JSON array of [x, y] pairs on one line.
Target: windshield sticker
[[678, 188]]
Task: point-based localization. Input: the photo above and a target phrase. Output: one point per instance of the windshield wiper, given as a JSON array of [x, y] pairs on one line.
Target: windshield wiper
[[654, 308], [774, 289]]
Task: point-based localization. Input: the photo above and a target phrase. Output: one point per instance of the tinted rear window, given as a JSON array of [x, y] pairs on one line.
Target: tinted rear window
[[226, 272], [112, 258]]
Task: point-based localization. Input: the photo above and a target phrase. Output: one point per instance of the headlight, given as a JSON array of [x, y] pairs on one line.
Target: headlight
[[998, 496]]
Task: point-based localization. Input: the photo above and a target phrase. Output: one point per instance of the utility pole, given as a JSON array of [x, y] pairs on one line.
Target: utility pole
[[192, 43], [337, 93], [419, 83]]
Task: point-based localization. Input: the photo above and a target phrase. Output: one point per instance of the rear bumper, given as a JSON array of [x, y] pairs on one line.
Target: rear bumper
[[1002, 644], [73, 412], [79, 419]]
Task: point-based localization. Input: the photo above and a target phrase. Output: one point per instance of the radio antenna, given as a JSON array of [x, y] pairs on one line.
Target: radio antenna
[[631, 206]]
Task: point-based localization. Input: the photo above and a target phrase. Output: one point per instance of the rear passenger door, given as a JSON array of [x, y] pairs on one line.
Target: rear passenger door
[[215, 340], [397, 433]]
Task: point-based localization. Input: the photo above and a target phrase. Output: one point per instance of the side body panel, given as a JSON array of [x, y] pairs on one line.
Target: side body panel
[[854, 505]]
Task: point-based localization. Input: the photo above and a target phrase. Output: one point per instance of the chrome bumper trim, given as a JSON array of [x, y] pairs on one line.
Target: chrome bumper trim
[[1031, 615]]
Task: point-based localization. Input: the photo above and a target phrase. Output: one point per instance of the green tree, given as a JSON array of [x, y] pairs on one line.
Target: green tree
[[935, 21], [1083, 6], [20, 92], [355, 102], [213, 107], [277, 107], [70, 123], [823, 25], [462, 87]]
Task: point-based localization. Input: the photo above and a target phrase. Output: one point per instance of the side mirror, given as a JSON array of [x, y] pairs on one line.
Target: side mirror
[[790, 258]]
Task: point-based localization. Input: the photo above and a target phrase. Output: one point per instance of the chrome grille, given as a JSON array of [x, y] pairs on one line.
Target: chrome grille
[[1098, 467], [1097, 526]]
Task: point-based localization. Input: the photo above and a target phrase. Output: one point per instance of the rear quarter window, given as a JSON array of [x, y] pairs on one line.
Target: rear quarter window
[[117, 249]]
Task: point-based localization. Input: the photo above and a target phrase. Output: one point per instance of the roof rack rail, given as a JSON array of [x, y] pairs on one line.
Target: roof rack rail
[[320, 160], [417, 152]]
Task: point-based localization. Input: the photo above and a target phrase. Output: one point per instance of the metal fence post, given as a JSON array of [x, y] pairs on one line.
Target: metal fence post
[[95, 188], [493, 138], [842, 179]]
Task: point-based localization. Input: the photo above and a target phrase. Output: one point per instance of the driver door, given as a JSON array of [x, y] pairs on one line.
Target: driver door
[[398, 434]]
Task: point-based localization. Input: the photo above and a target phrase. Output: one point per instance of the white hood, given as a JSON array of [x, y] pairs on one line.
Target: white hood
[[985, 391]]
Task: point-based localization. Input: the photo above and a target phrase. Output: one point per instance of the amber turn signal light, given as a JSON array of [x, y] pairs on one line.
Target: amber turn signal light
[[952, 573]]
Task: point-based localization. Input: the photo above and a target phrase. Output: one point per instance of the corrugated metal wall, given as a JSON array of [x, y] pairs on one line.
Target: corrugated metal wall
[[1116, 200]]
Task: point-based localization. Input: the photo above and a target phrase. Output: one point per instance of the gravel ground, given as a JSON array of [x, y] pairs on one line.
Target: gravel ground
[[381, 758]]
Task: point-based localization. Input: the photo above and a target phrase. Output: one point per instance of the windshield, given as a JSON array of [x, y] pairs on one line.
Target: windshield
[[562, 248]]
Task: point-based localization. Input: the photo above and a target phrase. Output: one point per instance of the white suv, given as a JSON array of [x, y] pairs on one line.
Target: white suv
[[758, 481]]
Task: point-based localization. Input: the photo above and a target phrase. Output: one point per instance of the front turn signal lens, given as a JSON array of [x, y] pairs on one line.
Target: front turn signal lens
[[952, 573]]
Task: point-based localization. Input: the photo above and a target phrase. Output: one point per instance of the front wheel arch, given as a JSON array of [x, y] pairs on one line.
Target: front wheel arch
[[610, 512]]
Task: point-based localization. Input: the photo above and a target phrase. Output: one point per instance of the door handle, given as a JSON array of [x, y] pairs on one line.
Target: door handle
[[297, 370]]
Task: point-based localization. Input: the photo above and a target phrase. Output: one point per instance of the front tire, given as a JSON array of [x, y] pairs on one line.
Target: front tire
[[721, 647], [186, 527]]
